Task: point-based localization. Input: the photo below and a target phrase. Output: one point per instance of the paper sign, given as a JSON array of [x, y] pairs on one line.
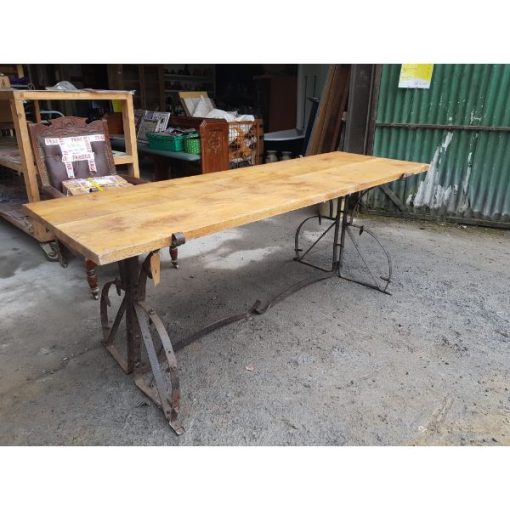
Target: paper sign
[[415, 76], [76, 148]]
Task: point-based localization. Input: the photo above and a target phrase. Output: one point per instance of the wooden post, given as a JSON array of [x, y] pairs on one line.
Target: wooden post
[[27, 161], [128, 122], [23, 139], [37, 111]]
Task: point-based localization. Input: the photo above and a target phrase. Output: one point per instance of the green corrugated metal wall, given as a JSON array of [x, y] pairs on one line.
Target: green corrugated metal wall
[[469, 174]]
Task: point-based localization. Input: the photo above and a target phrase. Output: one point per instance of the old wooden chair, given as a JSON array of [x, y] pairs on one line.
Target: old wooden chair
[[55, 165]]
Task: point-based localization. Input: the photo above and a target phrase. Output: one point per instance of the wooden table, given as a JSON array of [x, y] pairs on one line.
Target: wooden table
[[120, 225]]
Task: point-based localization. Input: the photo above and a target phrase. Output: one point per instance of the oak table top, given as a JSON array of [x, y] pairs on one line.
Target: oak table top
[[126, 222]]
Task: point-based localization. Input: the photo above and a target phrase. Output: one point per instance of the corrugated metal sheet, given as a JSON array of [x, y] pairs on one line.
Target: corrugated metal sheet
[[469, 174]]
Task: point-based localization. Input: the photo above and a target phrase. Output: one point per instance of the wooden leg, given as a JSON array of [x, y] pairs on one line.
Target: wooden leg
[[162, 168], [90, 267]]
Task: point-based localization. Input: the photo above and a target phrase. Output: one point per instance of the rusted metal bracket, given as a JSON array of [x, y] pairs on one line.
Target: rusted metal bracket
[[343, 223], [154, 367], [50, 250], [177, 239], [55, 251], [159, 381]]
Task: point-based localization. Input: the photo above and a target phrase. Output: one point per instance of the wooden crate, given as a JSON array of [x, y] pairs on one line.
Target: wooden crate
[[245, 143]]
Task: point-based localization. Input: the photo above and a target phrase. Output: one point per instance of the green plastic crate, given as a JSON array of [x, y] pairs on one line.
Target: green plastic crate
[[192, 144], [161, 142]]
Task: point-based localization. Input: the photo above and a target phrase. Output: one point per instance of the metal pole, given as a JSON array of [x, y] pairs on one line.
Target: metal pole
[[337, 248], [345, 221]]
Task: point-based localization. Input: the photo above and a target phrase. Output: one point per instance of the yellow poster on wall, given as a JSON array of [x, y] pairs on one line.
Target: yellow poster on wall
[[415, 76]]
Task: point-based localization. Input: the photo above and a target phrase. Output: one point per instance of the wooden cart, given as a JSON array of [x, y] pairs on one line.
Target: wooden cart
[[16, 152]]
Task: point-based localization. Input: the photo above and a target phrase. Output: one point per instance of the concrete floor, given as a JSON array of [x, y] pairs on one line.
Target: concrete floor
[[334, 364]]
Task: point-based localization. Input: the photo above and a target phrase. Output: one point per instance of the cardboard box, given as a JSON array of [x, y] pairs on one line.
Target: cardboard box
[[5, 83], [93, 184]]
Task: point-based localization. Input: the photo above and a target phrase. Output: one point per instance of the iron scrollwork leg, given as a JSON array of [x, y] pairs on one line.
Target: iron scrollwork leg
[[301, 255], [343, 224], [155, 373]]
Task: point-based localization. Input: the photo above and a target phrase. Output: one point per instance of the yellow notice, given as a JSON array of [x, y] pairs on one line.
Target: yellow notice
[[415, 76], [117, 105]]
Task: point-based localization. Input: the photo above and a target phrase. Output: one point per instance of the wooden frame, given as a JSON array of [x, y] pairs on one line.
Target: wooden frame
[[25, 164]]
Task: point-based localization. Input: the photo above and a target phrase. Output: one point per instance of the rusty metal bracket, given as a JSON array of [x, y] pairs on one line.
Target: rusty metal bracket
[[158, 378], [343, 223], [110, 332], [163, 386], [50, 250], [176, 240]]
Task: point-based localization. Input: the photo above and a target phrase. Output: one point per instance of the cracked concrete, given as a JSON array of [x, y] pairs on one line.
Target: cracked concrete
[[333, 364]]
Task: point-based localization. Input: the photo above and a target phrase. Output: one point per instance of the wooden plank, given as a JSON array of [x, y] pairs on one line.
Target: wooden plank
[[128, 124], [329, 105], [9, 154], [11, 164], [27, 160], [37, 112], [326, 131], [78, 95], [317, 128], [122, 159], [15, 214], [332, 137], [23, 140], [107, 227]]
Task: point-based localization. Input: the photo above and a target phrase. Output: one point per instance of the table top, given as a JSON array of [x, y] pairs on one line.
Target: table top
[[114, 225]]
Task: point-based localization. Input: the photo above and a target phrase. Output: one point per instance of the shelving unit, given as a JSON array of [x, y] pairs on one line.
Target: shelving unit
[[191, 77], [145, 80], [16, 152], [156, 85]]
